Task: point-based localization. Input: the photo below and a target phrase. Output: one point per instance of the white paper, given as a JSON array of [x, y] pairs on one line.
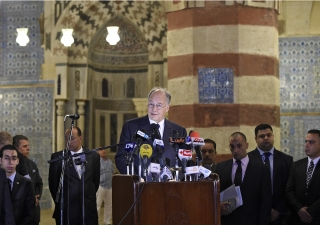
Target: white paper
[[232, 192]]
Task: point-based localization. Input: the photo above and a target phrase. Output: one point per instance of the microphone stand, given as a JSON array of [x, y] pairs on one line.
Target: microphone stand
[[61, 183]]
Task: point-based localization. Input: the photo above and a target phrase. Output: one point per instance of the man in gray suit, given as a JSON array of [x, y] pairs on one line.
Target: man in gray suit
[[279, 164], [303, 188]]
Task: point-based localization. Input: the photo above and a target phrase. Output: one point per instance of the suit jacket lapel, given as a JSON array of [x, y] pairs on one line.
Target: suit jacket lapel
[[249, 172], [257, 156], [315, 173], [16, 185], [276, 161]]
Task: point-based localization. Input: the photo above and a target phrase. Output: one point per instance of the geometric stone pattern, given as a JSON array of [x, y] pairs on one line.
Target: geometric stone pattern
[[86, 18], [299, 74], [20, 65], [130, 51], [215, 85], [299, 91], [28, 111]]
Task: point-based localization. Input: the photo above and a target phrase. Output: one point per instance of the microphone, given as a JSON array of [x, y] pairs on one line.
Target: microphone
[[197, 142], [191, 168], [165, 174], [184, 156], [155, 131], [145, 153], [73, 116], [154, 168], [159, 146], [138, 137], [205, 171], [130, 146]]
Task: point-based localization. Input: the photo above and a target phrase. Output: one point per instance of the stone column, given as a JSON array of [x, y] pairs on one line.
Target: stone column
[[223, 69], [141, 106], [81, 121], [60, 124]]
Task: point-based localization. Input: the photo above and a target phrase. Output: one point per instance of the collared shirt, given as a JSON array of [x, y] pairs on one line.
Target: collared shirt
[[244, 164], [270, 160], [77, 167], [12, 178], [315, 162], [106, 172], [161, 124]]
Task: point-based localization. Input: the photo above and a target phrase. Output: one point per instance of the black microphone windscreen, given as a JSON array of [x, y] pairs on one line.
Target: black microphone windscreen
[[167, 161], [190, 163], [197, 148], [175, 133], [154, 160], [207, 166]]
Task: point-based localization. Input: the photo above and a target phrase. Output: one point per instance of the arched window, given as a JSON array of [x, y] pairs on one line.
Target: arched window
[[104, 87], [130, 88]]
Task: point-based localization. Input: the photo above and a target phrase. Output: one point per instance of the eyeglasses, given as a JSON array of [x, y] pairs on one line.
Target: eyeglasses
[[158, 106], [204, 151]]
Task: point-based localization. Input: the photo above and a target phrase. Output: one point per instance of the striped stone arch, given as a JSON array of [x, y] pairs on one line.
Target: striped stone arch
[[86, 18]]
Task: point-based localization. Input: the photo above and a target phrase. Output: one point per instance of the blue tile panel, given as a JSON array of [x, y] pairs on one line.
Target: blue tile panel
[[19, 65], [299, 91], [299, 74], [215, 85], [28, 111]]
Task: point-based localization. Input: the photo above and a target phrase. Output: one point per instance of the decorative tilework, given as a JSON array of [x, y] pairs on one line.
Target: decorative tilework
[[20, 64], [299, 91], [28, 111], [299, 74], [215, 85], [293, 132]]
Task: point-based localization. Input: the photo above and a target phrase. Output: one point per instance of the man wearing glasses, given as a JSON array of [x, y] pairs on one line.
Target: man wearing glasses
[[209, 153], [158, 105]]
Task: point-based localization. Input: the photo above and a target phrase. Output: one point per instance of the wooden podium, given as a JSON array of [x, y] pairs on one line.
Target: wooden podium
[[165, 203]]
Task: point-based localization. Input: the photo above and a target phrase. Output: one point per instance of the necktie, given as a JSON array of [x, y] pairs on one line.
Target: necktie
[[9, 184], [266, 159], [309, 173], [238, 175]]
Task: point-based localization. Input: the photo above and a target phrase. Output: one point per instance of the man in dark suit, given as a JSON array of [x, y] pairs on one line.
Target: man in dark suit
[[255, 185], [6, 139], [6, 214], [303, 186], [21, 142], [279, 164], [209, 153], [72, 185], [158, 106], [22, 194]]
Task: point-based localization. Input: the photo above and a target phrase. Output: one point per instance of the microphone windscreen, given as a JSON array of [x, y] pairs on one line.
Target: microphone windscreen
[[194, 134], [146, 150], [190, 163], [207, 166], [167, 161], [154, 160]]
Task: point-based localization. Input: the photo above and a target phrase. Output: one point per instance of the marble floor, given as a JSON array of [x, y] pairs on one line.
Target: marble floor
[[46, 217]]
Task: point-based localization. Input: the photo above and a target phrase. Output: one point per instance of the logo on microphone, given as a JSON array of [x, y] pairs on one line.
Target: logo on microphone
[[130, 145], [187, 153]]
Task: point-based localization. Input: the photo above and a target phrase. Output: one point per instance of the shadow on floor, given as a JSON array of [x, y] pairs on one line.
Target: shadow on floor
[[46, 217]]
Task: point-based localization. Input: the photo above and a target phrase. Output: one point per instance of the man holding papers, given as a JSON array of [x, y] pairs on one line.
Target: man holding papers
[[254, 181]]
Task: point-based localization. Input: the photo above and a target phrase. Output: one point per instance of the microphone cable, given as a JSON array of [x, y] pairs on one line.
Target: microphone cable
[[134, 203]]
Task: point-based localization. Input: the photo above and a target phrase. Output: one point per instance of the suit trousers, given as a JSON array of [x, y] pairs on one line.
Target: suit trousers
[[105, 195]]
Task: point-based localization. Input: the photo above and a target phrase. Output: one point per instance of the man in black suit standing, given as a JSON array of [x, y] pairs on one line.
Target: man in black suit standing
[[303, 186], [158, 106], [209, 153], [72, 185], [6, 214], [21, 142], [22, 193], [255, 185], [279, 164]]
